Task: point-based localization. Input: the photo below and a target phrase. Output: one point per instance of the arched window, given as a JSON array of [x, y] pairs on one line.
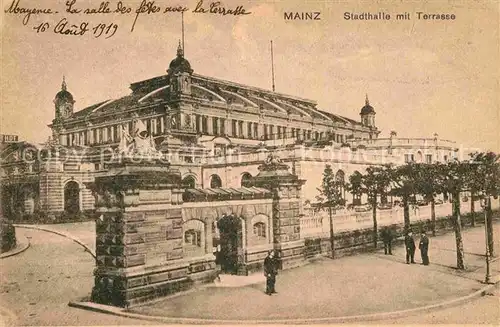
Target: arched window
[[420, 157], [188, 182], [215, 181], [246, 180], [72, 197], [259, 230]]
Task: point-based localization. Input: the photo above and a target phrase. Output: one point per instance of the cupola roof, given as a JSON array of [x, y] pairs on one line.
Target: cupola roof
[[179, 64], [64, 95], [367, 109]]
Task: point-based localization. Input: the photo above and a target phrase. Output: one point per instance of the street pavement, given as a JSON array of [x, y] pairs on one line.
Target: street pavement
[[37, 285], [485, 310], [356, 285]]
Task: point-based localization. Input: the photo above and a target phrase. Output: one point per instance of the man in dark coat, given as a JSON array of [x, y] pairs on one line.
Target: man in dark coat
[[387, 239], [270, 271], [424, 248], [410, 247]]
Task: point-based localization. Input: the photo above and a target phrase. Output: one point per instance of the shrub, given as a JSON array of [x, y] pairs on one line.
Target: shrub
[[7, 235]]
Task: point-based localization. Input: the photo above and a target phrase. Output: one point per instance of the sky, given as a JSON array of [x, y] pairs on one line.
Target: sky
[[421, 76]]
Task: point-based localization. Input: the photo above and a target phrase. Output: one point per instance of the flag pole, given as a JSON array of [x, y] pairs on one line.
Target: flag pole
[[272, 65]]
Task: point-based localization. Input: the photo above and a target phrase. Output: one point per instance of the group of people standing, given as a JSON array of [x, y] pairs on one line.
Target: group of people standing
[[423, 246], [387, 237], [271, 262]]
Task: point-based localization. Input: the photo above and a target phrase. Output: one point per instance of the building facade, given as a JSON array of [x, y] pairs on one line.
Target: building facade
[[215, 132]]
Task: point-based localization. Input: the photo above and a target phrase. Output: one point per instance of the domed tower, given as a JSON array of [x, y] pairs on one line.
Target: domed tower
[[179, 73], [367, 114], [63, 103]]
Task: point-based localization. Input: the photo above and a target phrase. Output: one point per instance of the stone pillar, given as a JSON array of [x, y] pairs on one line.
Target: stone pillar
[[210, 125], [227, 126], [245, 129], [286, 187], [140, 235], [260, 131]]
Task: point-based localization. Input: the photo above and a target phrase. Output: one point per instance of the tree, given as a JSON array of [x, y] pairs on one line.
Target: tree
[[355, 186], [402, 183], [453, 177], [427, 184], [330, 196], [374, 183], [484, 177]]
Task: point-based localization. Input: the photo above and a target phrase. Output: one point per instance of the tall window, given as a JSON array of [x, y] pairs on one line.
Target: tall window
[[233, 128], [428, 158], [158, 126], [204, 124], [240, 129], [259, 230], [409, 157], [215, 124], [222, 126], [249, 130]]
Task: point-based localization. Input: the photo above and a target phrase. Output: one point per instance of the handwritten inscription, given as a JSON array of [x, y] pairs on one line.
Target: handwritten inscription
[[27, 12], [218, 8], [66, 25]]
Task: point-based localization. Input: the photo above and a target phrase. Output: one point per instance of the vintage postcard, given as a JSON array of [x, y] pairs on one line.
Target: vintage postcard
[[249, 162]]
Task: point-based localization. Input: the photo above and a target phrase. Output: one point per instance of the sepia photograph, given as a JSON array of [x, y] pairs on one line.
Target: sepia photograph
[[249, 162]]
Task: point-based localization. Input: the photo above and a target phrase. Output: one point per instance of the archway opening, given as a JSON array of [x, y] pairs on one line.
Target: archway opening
[[188, 182], [229, 244], [215, 181], [246, 180], [72, 198]]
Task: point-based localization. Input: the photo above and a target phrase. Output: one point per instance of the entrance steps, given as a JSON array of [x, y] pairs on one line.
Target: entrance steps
[[239, 281]]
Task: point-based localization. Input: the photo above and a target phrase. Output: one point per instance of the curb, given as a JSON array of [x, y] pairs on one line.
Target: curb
[[20, 248], [69, 236], [355, 318]]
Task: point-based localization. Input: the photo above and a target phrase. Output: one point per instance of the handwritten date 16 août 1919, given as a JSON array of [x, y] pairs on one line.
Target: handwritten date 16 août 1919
[[63, 27]]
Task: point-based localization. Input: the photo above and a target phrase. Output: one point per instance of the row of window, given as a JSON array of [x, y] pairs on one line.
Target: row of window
[[410, 157], [111, 134], [194, 237], [157, 126]]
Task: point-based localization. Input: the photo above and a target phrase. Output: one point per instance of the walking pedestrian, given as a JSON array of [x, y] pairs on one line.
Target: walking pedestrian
[[387, 237], [270, 271], [424, 248], [410, 248]]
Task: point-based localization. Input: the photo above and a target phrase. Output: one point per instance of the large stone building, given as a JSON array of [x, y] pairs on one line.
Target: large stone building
[[215, 132], [230, 172]]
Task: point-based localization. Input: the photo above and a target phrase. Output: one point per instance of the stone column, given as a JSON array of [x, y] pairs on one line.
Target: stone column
[[229, 127], [245, 129], [286, 187], [139, 235], [210, 126], [260, 131]]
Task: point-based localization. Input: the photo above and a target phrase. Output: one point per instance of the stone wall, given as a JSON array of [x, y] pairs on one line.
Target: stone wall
[[361, 240], [140, 256]]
